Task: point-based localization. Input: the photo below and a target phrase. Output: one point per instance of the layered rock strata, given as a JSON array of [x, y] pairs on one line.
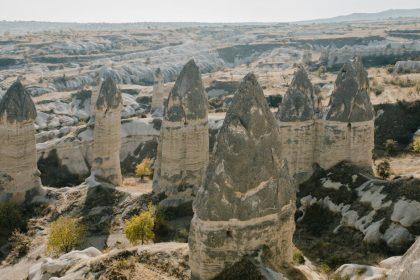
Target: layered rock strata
[[106, 136], [18, 158], [183, 150], [247, 200], [297, 125], [347, 133], [158, 94]]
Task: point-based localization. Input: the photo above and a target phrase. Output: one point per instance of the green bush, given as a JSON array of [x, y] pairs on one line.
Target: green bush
[[384, 169], [11, 218], [139, 228], [65, 234], [416, 145], [298, 258], [325, 268]]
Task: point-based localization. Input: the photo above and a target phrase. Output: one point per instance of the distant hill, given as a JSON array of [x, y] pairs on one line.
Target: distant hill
[[388, 14]]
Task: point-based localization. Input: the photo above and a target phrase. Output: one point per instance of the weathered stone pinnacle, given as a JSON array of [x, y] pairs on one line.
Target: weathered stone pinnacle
[[298, 102], [247, 199], [187, 100], [109, 96], [350, 100], [17, 105]]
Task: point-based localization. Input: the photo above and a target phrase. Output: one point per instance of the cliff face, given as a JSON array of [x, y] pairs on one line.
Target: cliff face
[[247, 200], [183, 149], [18, 146], [106, 139]]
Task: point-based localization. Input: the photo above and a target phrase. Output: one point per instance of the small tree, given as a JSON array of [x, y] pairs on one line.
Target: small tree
[[384, 169], [65, 234], [140, 227], [416, 145], [144, 168]]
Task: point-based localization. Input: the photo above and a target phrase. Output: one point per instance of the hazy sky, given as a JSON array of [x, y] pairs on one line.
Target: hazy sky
[[190, 10]]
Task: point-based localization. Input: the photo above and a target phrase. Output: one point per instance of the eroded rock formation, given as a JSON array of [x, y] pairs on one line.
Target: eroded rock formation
[[18, 168], [158, 94], [247, 201], [183, 149], [106, 139], [297, 125], [348, 130]]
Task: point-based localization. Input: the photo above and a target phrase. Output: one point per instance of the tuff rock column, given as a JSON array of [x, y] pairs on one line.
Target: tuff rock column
[[297, 125], [106, 136], [158, 94], [18, 160], [347, 133], [247, 201], [183, 150]]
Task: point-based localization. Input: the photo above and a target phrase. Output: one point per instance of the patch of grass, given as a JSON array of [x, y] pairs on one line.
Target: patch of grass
[[11, 218], [20, 244], [325, 268]]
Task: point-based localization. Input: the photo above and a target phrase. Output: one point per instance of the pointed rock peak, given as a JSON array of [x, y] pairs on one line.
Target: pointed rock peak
[[188, 96], [17, 104], [298, 102], [158, 73], [109, 96], [350, 100], [246, 160]]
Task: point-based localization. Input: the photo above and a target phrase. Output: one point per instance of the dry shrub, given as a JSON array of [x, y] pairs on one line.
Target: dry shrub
[[139, 228], [65, 234]]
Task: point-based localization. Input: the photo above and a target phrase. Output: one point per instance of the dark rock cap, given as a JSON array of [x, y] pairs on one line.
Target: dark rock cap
[[109, 96], [17, 104], [350, 101], [298, 102], [244, 172], [187, 99]]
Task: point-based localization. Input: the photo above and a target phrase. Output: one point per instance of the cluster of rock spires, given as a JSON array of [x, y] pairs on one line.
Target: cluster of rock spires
[[107, 134], [183, 150], [245, 196], [18, 167], [247, 200], [345, 133]]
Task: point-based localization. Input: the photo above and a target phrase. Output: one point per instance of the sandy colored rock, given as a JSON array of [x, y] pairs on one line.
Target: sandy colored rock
[[247, 201], [297, 125], [158, 93], [18, 167], [347, 133], [183, 150], [106, 138]]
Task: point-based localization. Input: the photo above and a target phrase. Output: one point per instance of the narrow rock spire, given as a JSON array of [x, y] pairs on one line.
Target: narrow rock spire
[[158, 94], [18, 158], [183, 149], [107, 134], [247, 191]]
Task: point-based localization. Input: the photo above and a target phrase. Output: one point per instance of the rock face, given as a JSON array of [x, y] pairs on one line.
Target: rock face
[[158, 94], [297, 125], [407, 67], [183, 150], [409, 266], [247, 201], [348, 131], [18, 147], [106, 139]]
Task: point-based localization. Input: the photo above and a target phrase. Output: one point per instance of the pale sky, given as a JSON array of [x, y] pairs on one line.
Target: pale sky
[[190, 10]]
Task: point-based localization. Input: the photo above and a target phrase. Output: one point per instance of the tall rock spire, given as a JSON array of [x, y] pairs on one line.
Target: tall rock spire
[[107, 134], [158, 94], [247, 200], [298, 102], [183, 148], [296, 116], [18, 147]]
